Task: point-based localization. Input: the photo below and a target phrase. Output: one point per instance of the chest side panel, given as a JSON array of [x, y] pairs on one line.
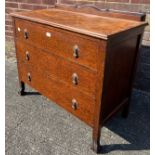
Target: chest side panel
[[120, 61]]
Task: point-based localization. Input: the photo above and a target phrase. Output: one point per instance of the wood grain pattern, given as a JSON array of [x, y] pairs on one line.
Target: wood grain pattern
[[59, 92], [119, 62], [61, 42], [99, 100], [108, 45], [58, 68], [80, 22]]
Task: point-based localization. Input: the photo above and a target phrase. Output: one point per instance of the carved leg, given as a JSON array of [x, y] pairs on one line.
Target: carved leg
[[96, 140], [125, 111], [22, 88]]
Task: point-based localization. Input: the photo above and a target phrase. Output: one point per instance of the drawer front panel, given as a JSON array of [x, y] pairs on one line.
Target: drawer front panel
[[71, 73], [78, 48], [73, 101]]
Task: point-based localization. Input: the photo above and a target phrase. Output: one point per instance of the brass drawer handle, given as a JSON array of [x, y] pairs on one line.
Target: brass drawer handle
[[74, 104], [75, 51], [29, 76], [75, 79], [27, 56], [26, 35], [48, 34]]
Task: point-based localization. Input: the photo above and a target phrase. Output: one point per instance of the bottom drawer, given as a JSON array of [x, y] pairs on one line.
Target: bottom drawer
[[67, 97]]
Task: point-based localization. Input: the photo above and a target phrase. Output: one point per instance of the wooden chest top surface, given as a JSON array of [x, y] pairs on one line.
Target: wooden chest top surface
[[92, 25]]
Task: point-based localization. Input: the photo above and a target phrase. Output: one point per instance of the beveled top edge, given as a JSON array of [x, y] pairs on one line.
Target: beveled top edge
[[89, 33]]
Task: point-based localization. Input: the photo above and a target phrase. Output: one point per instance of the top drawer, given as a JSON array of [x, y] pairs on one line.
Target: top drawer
[[75, 47]]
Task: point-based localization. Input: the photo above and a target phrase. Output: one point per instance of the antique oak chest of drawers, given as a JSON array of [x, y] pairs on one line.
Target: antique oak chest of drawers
[[83, 62]]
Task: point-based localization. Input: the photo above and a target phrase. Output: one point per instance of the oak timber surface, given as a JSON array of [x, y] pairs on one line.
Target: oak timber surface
[[93, 25]]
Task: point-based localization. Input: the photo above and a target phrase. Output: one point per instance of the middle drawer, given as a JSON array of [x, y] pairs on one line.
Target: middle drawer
[[71, 73]]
